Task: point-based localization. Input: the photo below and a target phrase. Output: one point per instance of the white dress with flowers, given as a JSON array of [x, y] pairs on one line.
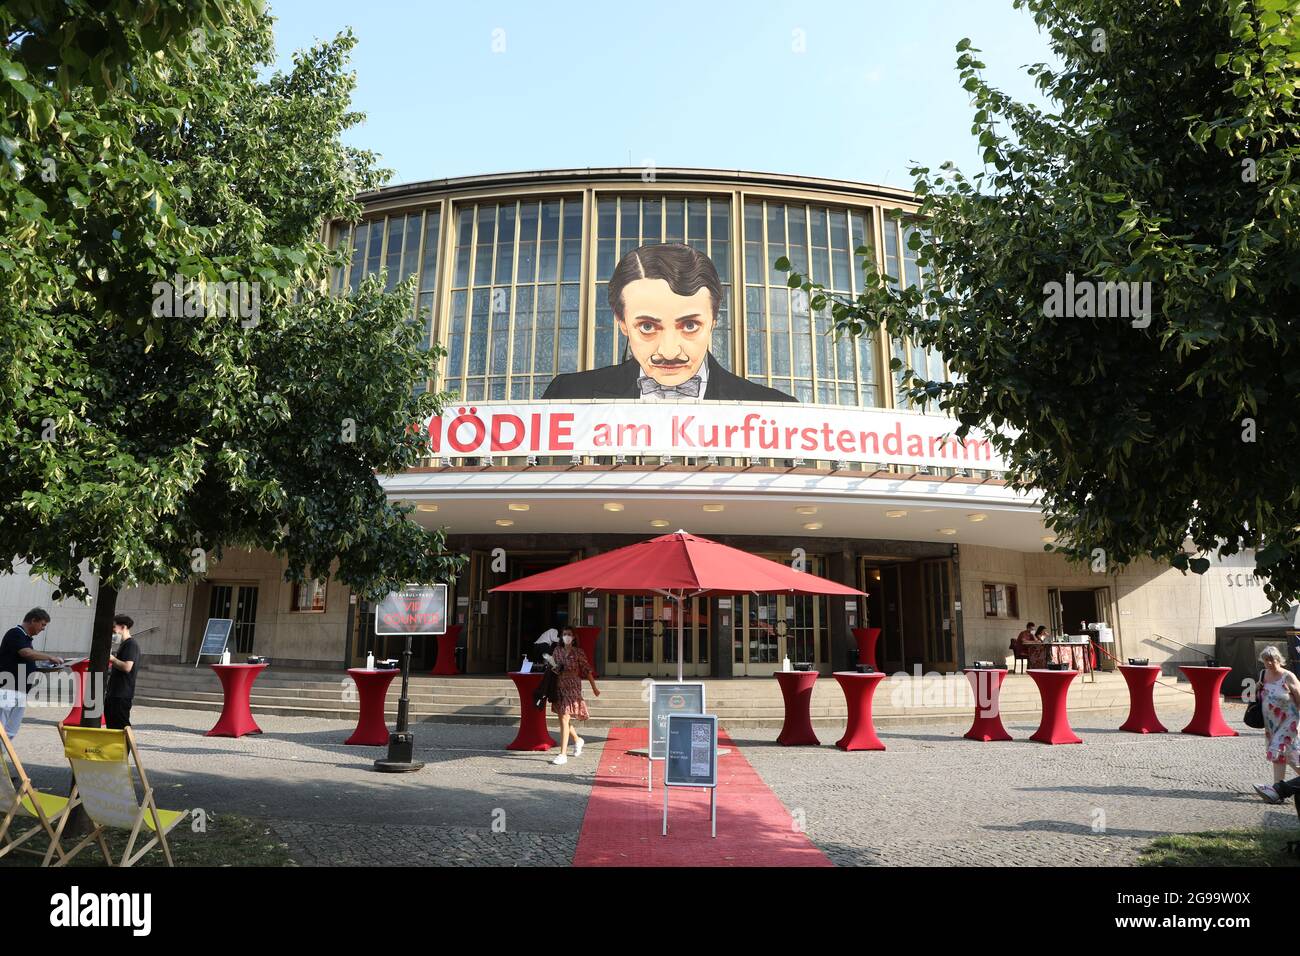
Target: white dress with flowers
[[1281, 718]]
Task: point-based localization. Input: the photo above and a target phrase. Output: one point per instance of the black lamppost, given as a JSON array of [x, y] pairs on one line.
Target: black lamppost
[[419, 610], [401, 742]]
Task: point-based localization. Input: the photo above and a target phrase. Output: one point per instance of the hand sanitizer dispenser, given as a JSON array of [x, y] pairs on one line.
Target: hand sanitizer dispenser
[[370, 661]]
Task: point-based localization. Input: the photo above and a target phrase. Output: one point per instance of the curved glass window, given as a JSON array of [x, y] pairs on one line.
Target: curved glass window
[[788, 345], [399, 246], [514, 319], [927, 363]]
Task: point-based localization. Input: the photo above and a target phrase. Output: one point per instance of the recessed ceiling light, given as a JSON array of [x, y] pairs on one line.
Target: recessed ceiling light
[[895, 514], [977, 517], [813, 526], [806, 510], [426, 507], [660, 523], [505, 522], [713, 507], [613, 506], [947, 530], [518, 506]]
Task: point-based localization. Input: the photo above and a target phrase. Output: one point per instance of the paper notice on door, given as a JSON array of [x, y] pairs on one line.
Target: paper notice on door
[[762, 614], [789, 614], [638, 614]]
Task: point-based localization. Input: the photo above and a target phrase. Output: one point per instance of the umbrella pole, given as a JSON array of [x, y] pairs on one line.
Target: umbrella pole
[[681, 636]]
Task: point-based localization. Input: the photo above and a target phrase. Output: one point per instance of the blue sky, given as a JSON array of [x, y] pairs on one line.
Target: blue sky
[[708, 83]]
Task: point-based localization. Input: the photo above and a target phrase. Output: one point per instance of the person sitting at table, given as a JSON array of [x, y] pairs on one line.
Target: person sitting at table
[[1018, 642]]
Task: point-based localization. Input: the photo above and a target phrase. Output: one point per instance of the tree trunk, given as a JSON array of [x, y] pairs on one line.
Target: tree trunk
[[101, 642], [92, 700]]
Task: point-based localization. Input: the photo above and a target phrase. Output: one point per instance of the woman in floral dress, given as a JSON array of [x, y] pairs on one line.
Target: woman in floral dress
[[1279, 697], [573, 667]]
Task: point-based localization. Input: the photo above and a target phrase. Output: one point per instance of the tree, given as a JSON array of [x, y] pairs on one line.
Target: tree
[[1156, 417], [177, 378]]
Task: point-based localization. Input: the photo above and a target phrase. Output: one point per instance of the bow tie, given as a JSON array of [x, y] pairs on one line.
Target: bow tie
[[690, 387]]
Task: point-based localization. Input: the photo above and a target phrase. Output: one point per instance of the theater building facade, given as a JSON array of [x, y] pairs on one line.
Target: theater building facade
[[706, 396]]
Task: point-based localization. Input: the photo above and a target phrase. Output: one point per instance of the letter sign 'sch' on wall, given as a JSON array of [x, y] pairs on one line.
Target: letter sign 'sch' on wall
[[767, 430]]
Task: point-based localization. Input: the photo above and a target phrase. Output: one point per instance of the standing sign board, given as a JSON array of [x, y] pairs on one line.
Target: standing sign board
[[215, 637], [669, 697], [692, 759], [416, 609]]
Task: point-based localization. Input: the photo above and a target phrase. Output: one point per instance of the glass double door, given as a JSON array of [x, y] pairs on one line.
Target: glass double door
[[642, 636], [771, 627]]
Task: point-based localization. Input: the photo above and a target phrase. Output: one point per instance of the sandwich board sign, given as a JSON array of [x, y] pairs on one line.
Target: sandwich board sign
[[692, 759], [416, 609], [215, 637], [669, 697]]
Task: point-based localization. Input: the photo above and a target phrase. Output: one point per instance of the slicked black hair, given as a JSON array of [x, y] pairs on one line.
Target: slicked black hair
[[684, 269]]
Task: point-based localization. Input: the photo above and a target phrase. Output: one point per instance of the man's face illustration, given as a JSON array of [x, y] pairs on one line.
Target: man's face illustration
[[669, 334]]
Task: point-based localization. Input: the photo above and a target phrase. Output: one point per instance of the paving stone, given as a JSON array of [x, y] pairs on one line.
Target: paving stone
[[931, 799]]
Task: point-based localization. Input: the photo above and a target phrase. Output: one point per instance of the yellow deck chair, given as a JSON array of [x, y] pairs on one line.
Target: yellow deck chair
[[101, 769], [45, 808]]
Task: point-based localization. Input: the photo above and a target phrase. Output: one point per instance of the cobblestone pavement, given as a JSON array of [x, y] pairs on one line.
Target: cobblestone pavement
[[935, 799], [930, 799], [474, 803]]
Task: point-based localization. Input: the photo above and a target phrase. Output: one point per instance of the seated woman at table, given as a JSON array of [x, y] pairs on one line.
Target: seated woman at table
[[1018, 642]]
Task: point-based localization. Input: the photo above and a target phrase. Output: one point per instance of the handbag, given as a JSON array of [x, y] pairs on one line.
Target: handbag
[[1254, 715], [547, 689]]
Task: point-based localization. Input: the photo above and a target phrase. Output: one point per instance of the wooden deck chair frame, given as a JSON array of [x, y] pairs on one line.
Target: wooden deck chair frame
[[146, 805], [34, 807]]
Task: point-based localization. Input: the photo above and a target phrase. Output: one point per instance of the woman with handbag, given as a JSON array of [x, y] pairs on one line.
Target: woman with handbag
[[571, 668], [1278, 697]]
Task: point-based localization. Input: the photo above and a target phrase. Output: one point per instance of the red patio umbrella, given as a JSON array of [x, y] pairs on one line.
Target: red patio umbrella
[[678, 566]]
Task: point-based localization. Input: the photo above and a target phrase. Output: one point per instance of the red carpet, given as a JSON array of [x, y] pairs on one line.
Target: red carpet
[[624, 821]]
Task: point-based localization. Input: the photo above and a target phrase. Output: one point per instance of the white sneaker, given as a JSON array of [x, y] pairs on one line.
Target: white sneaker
[[577, 748], [560, 760]]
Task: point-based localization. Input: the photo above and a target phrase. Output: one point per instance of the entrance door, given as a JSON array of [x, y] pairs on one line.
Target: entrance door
[[940, 627], [775, 626], [642, 636], [1078, 609], [883, 610], [239, 603], [770, 627]]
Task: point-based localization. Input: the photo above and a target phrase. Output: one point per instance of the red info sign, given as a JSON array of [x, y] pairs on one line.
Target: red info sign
[[776, 430], [416, 609]]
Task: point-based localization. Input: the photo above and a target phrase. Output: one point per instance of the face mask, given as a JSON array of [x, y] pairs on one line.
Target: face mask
[[568, 639]]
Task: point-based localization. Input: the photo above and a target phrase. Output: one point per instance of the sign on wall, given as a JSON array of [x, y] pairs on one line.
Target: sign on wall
[[416, 609], [788, 430]]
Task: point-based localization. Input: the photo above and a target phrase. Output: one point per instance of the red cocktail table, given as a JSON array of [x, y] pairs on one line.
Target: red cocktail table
[[1141, 680], [859, 689], [533, 734], [372, 691], [796, 688], [1054, 687], [74, 716], [445, 664], [1207, 719], [987, 684], [867, 637], [236, 716]]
